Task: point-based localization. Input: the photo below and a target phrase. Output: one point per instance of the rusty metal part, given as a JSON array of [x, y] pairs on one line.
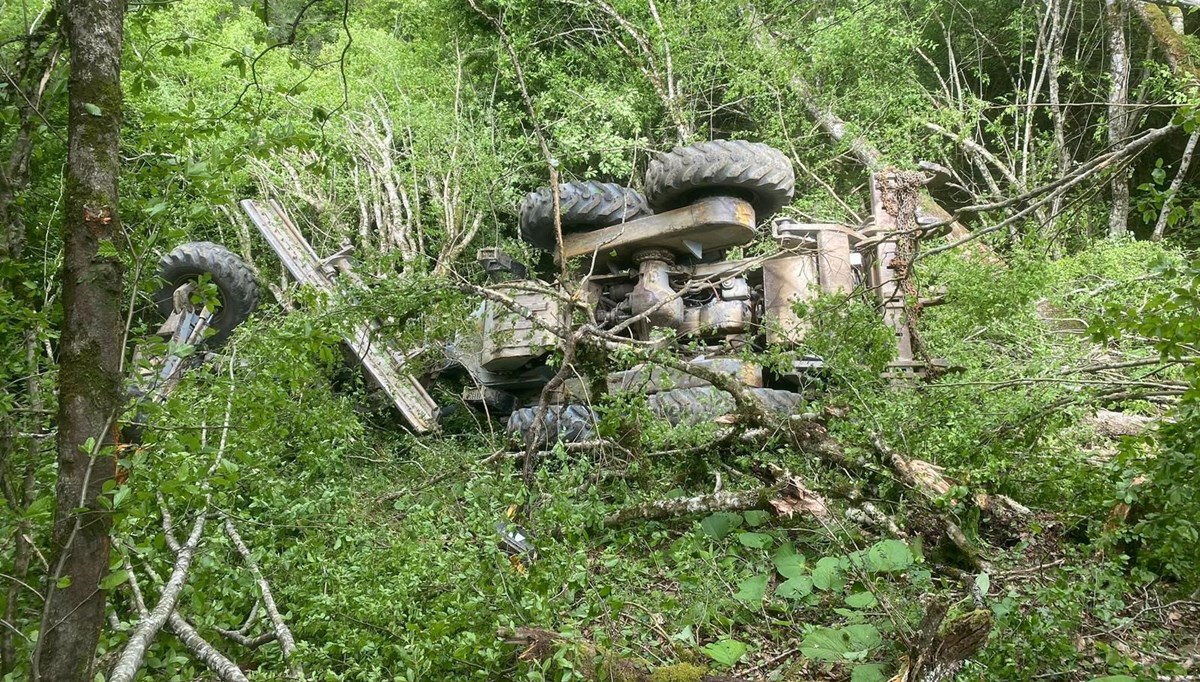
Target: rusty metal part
[[723, 317], [787, 280], [711, 223], [512, 340], [653, 295]]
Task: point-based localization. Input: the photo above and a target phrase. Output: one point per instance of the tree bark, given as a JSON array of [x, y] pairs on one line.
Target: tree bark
[[1185, 162], [1162, 27], [130, 660], [1117, 16], [90, 392]]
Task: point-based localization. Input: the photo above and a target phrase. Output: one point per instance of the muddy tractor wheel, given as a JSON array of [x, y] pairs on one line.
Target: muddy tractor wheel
[[583, 206], [691, 406], [569, 423], [755, 172], [239, 290]]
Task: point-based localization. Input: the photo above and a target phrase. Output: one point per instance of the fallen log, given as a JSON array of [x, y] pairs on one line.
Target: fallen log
[[701, 504]]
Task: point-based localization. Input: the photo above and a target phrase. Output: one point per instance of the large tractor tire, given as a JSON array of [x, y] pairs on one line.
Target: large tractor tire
[[583, 206], [569, 423], [691, 406], [239, 290], [752, 171]]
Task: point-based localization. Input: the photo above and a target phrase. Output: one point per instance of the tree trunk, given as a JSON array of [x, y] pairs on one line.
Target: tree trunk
[[1163, 27], [1118, 113], [91, 346]]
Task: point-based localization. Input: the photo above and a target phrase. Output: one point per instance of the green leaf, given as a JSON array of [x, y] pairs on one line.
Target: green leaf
[[726, 651], [1114, 678], [92, 109], [106, 249], [63, 582], [720, 524], [755, 540], [983, 583], [114, 579], [756, 517], [889, 556], [861, 600], [848, 643], [869, 672], [788, 563], [795, 588], [827, 574], [752, 589]]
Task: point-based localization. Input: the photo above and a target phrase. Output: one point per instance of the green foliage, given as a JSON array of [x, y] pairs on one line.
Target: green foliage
[[1157, 471], [380, 546]]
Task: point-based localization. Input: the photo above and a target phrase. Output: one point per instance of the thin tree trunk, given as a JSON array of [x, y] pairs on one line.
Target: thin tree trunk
[[863, 150], [1160, 226], [1062, 15], [90, 356], [1118, 115]]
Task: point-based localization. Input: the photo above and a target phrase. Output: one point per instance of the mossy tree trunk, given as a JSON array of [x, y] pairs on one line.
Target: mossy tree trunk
[[91, 346]]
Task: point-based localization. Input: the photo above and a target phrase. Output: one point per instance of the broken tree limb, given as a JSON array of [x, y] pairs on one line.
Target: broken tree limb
[[1109, 424], [247, 641], [282, 633], [131, 656], [924, 478], [225, 669], [701, 504], [220, 664]]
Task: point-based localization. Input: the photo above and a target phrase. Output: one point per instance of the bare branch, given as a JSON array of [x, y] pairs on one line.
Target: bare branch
[[221, 666], [286, 642]]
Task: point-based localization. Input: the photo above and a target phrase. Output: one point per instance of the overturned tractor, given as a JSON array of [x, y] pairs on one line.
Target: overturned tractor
[[652, 269]]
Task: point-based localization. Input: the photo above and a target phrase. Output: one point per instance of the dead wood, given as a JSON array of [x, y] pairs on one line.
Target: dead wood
[[1109, 424], [927, 481], [539, 645], [942, 646], [701, 504]]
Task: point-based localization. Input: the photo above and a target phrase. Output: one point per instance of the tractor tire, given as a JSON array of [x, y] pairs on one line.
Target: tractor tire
[[234, 279], [752, 171], [583, 206], [690, 406], [568, 423]]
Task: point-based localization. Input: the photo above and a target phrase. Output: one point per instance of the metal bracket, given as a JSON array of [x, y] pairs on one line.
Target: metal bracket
[[409, 396]]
